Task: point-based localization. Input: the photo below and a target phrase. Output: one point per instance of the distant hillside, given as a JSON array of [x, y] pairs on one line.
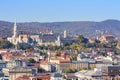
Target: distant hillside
[[87, 28]]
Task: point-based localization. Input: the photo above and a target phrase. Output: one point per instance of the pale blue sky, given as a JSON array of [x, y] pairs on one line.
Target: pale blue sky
[[59, 10]]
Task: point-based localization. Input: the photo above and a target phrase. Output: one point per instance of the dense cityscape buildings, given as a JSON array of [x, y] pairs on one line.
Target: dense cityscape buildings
[[50, 56]]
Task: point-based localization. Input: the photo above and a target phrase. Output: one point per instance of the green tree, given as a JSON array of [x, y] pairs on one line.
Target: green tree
[[24, 46], [101, 52], [82, 68], [118, 44], [42, 47], [70, 70], [76, 46], [90, 45], [74, 56], [5, 44], [31, 60], [82, 39], [117, 51], [92, 67]]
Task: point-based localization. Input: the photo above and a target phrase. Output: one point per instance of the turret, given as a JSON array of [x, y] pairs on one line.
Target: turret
[[65, 34]]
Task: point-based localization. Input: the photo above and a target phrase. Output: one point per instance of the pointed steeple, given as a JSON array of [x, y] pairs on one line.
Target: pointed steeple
[[15, 30]]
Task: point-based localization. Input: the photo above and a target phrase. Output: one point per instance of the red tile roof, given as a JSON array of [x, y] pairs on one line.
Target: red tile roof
[[65, 60], [23, 78]]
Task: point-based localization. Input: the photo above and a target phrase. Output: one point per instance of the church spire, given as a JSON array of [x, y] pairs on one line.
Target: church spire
[[15, 30]]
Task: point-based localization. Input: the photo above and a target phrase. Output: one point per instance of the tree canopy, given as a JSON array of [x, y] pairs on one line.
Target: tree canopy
[[118, 45], [82, 39], [31, 60], [24, 46], [76, 46], [5, 45], [74, 56]]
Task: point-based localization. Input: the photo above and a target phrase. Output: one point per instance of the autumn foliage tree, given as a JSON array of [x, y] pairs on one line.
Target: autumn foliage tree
[[118, 44]]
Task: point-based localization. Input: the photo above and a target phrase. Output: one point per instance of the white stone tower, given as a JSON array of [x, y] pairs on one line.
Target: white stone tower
[[65, 34], [48, 56], [15, 30], [58, 38], [58, 41]]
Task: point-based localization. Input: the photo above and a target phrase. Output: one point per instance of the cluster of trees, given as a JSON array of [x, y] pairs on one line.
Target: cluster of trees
[[6, 45], [73, 70], [76, 46], [118, 44], [43, 54], [24, 46], [74, 56], [92, 67], [31, 60], [70, 70], [82, 68], [51, 47]]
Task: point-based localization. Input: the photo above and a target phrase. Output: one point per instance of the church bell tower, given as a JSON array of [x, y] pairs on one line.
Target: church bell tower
[[15, 30]]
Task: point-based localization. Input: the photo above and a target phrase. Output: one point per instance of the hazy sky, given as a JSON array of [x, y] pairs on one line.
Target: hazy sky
[[59, 10]]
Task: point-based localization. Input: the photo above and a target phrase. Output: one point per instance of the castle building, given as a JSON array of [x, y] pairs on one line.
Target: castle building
[[15, 39], [50, 40], [47, 39]]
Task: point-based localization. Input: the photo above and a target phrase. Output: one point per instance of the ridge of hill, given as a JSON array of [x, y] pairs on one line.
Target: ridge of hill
[[87, 28]]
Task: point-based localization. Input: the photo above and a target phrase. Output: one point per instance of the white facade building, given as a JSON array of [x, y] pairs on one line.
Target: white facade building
[[15, 39]]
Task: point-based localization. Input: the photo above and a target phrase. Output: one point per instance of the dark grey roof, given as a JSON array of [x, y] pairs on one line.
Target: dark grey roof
[[48, 38]]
